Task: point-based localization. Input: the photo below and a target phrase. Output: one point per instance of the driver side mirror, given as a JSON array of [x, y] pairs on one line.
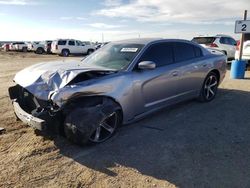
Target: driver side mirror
[[146, 65]]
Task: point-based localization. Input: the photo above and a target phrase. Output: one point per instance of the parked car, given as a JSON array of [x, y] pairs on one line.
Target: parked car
[[31, 45], [12, 46], [223, 43], [47, 46], [20, 46], [246, 49], [118, 84], [40, 47], [65, 47], [6, 47]]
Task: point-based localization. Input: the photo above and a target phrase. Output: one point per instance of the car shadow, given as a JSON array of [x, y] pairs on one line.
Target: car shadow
[[191, 144]]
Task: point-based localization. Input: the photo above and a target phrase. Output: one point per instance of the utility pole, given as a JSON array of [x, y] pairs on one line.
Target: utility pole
[[242, 38]]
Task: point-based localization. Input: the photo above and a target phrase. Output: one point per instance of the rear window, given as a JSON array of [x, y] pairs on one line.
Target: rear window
[[204, 40], [62, 42]]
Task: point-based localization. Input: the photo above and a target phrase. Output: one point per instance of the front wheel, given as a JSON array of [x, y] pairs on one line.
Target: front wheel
[[92, 124], [209, 88]]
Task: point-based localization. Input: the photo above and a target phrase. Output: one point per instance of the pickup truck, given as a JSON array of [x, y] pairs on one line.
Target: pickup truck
[[40, 47]]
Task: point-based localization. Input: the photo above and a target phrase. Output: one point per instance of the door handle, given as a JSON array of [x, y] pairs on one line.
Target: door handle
[[204, 65], [175, 73]]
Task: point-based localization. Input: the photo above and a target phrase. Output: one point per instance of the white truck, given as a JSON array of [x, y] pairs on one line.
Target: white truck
[[65, 47], [18, 46], [40, 47]]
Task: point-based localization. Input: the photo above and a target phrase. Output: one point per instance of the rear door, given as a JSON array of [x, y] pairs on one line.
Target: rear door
[[191, 69]]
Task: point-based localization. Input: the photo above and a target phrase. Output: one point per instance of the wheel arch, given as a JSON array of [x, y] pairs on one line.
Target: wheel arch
[[65, 49], [89, 101], [217, 72]]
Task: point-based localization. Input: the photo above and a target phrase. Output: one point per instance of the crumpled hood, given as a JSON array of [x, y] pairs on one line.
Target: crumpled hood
[[43, 78]]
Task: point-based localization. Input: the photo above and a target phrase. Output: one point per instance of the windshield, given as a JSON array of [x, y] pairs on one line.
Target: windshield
[[114, 56]]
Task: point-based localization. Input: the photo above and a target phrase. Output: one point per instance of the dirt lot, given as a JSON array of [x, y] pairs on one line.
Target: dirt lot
[[188, 145]]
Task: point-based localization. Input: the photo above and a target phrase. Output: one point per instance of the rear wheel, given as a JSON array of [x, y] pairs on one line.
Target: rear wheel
[[90, 51], [92, 124], [24, 49], [65, 53], [209, 88]]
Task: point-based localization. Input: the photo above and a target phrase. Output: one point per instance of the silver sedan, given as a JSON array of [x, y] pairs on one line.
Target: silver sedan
[[122, 82]]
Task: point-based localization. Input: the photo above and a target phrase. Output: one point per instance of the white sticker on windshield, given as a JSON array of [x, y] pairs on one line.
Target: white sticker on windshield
[[129, 49]]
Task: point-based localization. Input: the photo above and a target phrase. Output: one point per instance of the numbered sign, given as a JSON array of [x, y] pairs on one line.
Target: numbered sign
[[242, 26]]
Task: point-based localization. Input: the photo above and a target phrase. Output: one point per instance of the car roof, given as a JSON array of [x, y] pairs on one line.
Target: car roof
[[215, 36], [146, 41]]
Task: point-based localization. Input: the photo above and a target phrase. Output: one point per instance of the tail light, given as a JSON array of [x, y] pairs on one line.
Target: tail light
[[213, 45], [238, 45]]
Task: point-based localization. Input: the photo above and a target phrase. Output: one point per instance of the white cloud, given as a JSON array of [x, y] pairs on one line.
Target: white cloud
[[188, 11], [105, 26], [15, 2]]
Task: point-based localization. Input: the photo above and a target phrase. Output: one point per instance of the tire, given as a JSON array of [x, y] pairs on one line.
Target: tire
[[24, 49], [90, 51], [209, 88], [39, 50], [93, 124], [65, 53]]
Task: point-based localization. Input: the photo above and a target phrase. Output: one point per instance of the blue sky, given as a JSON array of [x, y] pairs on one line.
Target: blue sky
[[117, 19]]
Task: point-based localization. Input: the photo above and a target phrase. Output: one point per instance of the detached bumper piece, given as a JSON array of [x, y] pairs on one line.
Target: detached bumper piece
[[30, 120]]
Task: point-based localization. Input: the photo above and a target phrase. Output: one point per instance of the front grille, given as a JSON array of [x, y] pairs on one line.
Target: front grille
[[26, 99]]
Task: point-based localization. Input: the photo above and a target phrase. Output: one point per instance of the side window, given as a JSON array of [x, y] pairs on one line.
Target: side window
[[232, 42], [78, 43], [183, 52], [71, 43], [161, 54], [61, 42], [226, 40]]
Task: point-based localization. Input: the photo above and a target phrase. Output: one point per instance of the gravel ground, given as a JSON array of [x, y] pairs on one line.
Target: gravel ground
[[188, 145]]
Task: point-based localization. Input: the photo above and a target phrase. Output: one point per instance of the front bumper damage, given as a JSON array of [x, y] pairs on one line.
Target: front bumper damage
[[32, 111], [28, 119]]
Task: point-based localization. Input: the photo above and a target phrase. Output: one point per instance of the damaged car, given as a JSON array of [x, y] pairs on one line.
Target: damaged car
[[120, 83]]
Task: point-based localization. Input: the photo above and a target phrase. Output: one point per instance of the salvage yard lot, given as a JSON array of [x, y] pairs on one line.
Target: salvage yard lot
[[188, 145]]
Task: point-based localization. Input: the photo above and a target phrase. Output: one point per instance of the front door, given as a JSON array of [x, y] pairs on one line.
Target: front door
[[157, 87]]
